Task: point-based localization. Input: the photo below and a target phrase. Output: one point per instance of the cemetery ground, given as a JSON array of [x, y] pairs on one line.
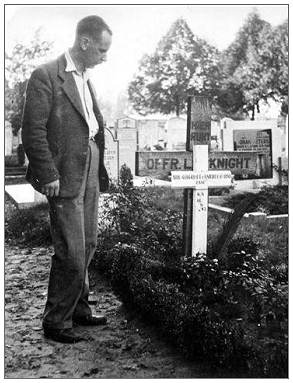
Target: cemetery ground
[[125, 348], [242, 331]]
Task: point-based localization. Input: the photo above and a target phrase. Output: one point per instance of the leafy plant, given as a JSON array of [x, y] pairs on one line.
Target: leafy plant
[[28, 226], [19, 64]]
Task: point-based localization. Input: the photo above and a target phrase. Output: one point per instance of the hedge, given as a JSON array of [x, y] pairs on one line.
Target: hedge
[[205, 307]]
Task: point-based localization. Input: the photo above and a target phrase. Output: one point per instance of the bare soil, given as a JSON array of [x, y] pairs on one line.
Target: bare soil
[[124, 348]]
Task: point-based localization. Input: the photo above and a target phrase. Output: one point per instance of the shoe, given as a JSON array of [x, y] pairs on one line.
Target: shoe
[[66, 335], [90, 320]]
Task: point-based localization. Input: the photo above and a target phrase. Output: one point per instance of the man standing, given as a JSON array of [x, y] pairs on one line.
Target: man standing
[[63, 137]]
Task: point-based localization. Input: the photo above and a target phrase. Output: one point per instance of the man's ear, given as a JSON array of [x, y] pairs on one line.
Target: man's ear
[[84, 42]]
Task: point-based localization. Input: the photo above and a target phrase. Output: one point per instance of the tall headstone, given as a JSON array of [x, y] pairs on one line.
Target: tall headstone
[[151, 132], [111, 156], [176, 133], [127, 138]]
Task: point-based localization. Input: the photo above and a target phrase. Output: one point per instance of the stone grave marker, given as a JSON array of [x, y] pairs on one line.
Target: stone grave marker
[[127, 138], [111, 156], [176, 133], [259, 141]]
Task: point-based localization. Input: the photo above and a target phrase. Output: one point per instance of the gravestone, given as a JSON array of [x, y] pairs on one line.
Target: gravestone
[[151, 132], [278, 148], [111, 155], [127, 138], [259, 141], [126, 122], [176, 133]]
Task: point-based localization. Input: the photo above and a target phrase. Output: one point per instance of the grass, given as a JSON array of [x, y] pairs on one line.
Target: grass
[[271, 234]]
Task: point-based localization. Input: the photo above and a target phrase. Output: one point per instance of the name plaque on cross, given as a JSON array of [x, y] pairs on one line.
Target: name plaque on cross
[[201, 180]]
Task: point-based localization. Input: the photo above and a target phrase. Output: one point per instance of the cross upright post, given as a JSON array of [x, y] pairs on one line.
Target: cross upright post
[[198, 133], [200, 202]]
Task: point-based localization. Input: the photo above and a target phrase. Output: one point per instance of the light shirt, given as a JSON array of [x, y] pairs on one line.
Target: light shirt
[[81, 79]]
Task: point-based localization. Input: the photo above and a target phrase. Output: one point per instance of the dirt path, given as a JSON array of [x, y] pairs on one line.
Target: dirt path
[[124, 348]]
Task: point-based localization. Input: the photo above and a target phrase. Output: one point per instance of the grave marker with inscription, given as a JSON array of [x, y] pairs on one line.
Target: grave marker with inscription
[[111, 156], [259, 141], [242, 164]]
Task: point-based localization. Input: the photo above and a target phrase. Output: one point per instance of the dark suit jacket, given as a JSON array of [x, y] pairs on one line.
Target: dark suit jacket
[[55, 133]]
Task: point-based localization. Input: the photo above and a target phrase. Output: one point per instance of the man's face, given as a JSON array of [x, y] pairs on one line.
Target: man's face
[[96, 51]]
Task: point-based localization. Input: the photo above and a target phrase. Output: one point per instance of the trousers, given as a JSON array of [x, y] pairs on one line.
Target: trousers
[[74, 235]]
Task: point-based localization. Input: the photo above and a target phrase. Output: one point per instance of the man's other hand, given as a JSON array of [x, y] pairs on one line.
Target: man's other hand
[[51, 189]]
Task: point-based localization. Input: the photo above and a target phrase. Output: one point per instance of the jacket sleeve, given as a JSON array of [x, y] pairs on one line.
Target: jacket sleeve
[[36, 113]]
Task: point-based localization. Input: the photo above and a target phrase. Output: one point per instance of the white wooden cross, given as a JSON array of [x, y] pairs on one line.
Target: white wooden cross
[[200, 179]]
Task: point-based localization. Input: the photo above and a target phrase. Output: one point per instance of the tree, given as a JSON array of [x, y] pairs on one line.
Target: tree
[[255, 66], [18, 67], [181, 65], [274, 56]]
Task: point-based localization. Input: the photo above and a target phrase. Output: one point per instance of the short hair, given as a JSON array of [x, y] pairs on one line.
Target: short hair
[[92, 26]]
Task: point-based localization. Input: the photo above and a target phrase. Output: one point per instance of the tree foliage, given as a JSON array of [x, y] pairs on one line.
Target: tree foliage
[[19, 64], [182, 64], [255, 66]]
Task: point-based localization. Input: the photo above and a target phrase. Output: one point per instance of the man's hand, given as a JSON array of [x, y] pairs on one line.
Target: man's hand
[[51, 189]]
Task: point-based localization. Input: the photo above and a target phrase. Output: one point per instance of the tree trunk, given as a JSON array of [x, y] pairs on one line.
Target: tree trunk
[[253, 113], [177, 106]]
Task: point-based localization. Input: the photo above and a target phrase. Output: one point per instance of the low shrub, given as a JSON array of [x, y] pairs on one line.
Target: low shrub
[[11, 160], [28, 226]]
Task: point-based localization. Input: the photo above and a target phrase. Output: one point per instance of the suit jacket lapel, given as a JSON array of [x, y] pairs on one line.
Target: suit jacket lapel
[[69, 86]]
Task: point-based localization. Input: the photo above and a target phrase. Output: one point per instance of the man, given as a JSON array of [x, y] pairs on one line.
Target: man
[[63, 137]]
